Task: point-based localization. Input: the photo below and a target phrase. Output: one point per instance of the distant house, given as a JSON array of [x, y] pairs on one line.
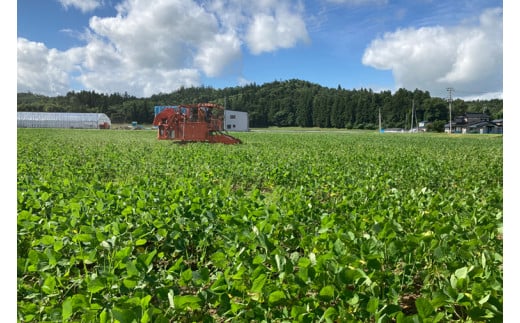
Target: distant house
[[498, 122], [473, 122], [423, 126]]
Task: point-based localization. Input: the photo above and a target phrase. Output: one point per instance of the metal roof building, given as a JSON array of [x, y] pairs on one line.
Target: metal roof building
[[63, 120]]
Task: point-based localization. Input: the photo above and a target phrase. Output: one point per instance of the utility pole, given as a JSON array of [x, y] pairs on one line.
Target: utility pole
[[379, 119], [413, 108], [450, 89]]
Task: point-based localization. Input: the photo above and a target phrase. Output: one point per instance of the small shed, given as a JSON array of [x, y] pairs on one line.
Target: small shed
[[63, 120], [236, 120]]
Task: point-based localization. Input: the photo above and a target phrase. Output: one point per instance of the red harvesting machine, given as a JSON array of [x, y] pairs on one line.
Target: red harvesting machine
[[201, 122]]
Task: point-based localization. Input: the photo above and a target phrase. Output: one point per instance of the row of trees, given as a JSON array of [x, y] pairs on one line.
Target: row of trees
[[279, 103]]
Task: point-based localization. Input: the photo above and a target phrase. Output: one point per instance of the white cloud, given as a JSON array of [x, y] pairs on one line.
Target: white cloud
[[263, 25], [281, 28], [465, 57], [360, 2], [243, 82], [83, 5], [43, 70], [144, 82], [218, 53], [269, 33], [148, 42]]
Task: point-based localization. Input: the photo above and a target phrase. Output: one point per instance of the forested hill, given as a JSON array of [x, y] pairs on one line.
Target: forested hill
[[279, 103]]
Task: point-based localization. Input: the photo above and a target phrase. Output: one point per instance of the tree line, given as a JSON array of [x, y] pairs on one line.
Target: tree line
[[279, 103]]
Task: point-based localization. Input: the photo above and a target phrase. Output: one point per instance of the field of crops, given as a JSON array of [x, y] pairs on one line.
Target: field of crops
[[116, 226]]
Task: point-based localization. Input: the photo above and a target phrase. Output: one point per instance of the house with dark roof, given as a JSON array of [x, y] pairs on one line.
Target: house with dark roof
[[472, 122]]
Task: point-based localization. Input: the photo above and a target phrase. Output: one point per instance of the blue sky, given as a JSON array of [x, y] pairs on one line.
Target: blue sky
[[144, 47]]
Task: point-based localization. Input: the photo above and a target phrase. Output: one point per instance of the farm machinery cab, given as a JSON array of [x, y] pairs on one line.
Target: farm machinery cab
[[202, 122]]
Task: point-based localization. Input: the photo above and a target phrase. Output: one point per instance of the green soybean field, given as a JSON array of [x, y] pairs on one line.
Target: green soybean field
[[289, 226]]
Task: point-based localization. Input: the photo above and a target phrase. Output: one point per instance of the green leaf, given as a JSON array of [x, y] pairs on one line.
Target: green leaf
[[330, 314], [82, 237], [150, 257], [177, 265], [96, 285], [47, 240], [66, 309], [123, 315], [131, 269], [105, 244], [187, 275], [424, 308], [220, 285], [129, 283], [276, 297], [303, 274], [201, 276], [58, 245], [484, 299], [103, 316], [140, 242], [372, 305], [145, 301], [258, 259], [122, 254], [79, 301], [133, 301], [297, 310], [339, 247], [219, 260], [100, 206], [146, 317], [354, 300], [461, 273], [186, 302], [327, 293], [478, 314], [259, 283], [51, 255], [49, 285], [45, 196], [304, 262], [280, 262], [438, 301]]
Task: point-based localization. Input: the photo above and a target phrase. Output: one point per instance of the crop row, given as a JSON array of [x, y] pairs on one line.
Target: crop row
[[296, 227]]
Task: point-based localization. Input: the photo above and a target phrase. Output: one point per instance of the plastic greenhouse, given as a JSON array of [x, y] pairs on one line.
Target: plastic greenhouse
[[63, 120]]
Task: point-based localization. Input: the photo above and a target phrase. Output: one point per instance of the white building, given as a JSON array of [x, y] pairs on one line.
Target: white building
[[236, 120]]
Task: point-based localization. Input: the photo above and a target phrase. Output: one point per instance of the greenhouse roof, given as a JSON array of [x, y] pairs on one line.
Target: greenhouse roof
[[63, 116], [62, 120]]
